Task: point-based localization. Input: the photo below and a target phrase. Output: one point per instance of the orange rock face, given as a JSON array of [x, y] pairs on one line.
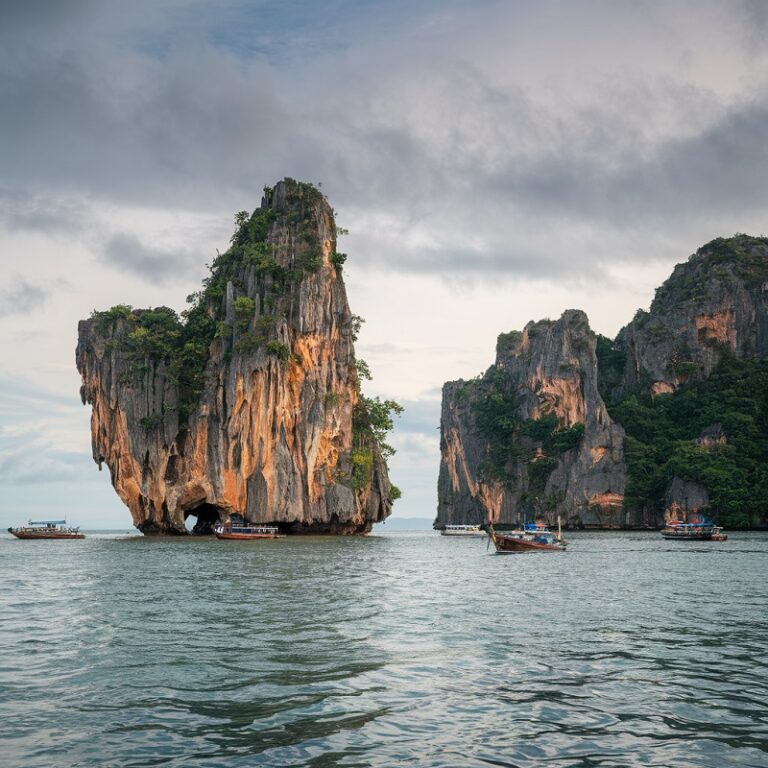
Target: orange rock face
[[718, 328], [546, 374], [268, 435]]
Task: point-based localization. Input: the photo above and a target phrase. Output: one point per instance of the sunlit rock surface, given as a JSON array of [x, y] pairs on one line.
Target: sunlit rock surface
[[713, 308], [265, 429], [549, 369]]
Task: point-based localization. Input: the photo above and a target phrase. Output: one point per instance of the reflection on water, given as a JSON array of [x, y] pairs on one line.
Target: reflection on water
[[404, 648]]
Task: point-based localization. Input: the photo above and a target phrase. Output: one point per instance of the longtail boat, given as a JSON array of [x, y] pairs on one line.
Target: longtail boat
[[246, 532], [529, 538], [46, 529]]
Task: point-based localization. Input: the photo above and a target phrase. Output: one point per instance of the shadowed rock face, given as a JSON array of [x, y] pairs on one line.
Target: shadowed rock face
[[263, 427], [715, 301], [548, 369], [713, 304]]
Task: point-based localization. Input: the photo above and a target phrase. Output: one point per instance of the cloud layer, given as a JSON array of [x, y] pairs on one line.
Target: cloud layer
[[465, 129], [20, 297]]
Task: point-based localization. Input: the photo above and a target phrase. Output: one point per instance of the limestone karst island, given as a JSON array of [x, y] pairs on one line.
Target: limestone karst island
[[250, 404], [667, 420]]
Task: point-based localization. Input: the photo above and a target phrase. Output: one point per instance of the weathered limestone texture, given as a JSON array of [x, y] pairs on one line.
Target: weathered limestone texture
[[550, 369], [683, 499], [265, 428], [501, 464], [710, 303]]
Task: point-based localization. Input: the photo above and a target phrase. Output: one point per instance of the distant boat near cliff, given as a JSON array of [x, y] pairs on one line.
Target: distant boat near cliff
[[245, 532], [46, 529], [462, 530], [677, 530], [529, 538]]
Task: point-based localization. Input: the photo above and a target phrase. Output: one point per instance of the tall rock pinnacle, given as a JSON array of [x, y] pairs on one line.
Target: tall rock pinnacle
[[251, 405]]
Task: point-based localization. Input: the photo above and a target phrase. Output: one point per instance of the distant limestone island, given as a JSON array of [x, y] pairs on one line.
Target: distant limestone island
[[250, 403], [666, 421]]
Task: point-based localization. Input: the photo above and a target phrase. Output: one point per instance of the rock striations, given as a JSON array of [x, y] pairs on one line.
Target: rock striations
[[716, 301], [532, 437], [252, 405], [666, 419]]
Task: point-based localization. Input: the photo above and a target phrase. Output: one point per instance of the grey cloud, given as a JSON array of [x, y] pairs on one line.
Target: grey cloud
[[416, 132], [128, 254], [755, 15], [20, 397], [35, 464], [491, 262], [21, 297], [35, 427], [722, 169], [576, 171], [22, 210], [16, 17], [35, 424], [195, 126], [421, 416]]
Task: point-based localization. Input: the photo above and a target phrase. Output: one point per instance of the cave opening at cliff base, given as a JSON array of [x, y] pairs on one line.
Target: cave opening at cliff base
[[207, 515]]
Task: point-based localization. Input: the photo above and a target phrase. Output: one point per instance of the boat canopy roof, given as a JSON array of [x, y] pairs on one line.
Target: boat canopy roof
[[691, 525], [47, 522]]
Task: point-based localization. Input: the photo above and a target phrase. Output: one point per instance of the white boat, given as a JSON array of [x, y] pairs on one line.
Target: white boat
[[462, 530], [245, 531]]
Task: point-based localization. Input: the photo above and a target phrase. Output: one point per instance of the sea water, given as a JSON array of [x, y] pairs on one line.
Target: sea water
[[393, 649]]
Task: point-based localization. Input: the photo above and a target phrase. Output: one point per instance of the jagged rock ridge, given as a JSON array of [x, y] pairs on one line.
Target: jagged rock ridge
[[544, 386], [715, 302], [707, 323], [252, 406]]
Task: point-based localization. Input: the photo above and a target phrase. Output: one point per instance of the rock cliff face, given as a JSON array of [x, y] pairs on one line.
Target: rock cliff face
[[252, 405], [563, 454], [509, 450], [716, 301]]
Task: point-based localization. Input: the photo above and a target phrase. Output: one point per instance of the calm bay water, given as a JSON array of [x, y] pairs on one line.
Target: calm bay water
[[393, 649]]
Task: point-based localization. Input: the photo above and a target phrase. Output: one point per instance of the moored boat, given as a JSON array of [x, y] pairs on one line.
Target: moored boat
[[703, 530], [46, 529], [462, 530], [530, 538], [717, 534], [244, 531]]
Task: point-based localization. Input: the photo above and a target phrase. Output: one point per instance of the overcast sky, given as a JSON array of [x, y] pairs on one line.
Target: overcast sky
[[495, 162]]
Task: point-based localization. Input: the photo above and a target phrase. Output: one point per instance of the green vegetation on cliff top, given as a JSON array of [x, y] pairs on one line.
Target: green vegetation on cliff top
[[663, 433], [718, 263], [183, 344]]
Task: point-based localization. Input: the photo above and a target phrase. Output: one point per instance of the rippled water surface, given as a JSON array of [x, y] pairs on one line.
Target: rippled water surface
[[393, 649]]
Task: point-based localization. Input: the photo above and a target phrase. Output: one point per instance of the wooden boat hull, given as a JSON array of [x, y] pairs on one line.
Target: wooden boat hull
[[512, 544], [524, 543], [706, 534], [23, 535], [249, 536]]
